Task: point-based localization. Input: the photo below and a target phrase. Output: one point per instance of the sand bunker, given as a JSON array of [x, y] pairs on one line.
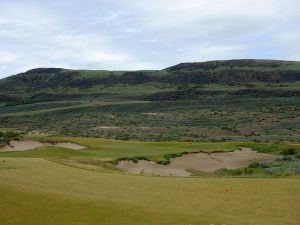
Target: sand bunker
[[29, 145], [69, 145], [198, 161], [22, 145]]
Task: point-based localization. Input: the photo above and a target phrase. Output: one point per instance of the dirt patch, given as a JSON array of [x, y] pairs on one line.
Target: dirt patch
[[155, 114], [69, 145], [145, 128], [108, 127], [198, 161], [29, 145]]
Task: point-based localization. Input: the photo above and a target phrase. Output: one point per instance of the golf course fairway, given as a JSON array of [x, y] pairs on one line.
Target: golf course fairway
[[41, 192]]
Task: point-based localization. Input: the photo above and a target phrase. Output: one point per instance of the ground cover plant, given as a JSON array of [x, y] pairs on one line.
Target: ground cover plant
[[60, 194], [108, 152], [7, 136], [153, 116], [235, 100]]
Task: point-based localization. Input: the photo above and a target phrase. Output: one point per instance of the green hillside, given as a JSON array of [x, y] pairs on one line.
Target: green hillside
[[217, 107], [190, 73], [233, 100]]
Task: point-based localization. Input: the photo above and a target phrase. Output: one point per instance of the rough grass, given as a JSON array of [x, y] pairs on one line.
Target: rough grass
[[39, 192], [272, 148], [82, 104]]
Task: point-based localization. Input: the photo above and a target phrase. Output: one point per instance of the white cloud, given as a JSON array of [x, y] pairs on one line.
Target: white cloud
[[8, 57], [132, 34]]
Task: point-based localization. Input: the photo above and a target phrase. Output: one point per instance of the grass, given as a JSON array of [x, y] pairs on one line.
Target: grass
[[37, 192], [76, 105], [131, 89], [60, 186], [108, 149], [272, 147], [46, 152], [230, 114], [75, 187], [115, 150]]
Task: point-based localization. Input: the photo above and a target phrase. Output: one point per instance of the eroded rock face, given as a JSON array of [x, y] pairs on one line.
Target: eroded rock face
[[198, 161]]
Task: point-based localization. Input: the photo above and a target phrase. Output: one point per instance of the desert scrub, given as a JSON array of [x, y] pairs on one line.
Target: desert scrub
[[261, 147], [168, 157], [134, 159], [289, 151], [8, 136], [234, 172], [284, 166]]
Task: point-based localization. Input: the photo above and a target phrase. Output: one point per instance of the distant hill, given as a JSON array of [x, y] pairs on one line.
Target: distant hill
[[241, 71], [231, 100]]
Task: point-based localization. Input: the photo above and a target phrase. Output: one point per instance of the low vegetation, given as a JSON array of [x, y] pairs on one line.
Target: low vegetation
[[44, 192], [7, 136], [105, 153], [217, 106], [237, 100]]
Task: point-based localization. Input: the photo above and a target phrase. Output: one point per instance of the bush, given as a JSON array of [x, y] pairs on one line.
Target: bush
[[134, 159], [248, 171], [163, 162], [289, 151], [222, 172], [7, 137], [287, 158], [254, 165]]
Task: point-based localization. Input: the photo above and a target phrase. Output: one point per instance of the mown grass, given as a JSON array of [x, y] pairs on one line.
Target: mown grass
[[39, 192], [115, 150], [46, 152], [108, 149]]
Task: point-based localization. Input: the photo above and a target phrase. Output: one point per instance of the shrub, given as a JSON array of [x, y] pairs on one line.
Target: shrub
[[287, 158], [8, 136], [289, 151], [254, 165], [248, 171], [163, 162], [134, 159], [222, 172]]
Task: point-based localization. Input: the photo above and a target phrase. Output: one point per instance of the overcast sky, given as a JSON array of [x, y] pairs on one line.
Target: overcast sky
[[143, 34]]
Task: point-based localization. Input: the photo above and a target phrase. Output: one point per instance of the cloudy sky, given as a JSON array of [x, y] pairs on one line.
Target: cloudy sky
[[143, 34]]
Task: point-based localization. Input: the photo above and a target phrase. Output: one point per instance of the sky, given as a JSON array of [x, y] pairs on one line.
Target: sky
[[143, 34]]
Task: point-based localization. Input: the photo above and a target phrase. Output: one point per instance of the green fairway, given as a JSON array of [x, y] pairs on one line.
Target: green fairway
[[112, 149], [38, 192], [101, 154], [108, 149]]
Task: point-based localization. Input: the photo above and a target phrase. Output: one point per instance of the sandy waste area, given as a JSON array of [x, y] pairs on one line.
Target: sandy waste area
[[197, 161], [29, 145]]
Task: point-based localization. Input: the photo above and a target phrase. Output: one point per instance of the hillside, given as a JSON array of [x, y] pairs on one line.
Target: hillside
[[234, 100], [186, 73]]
